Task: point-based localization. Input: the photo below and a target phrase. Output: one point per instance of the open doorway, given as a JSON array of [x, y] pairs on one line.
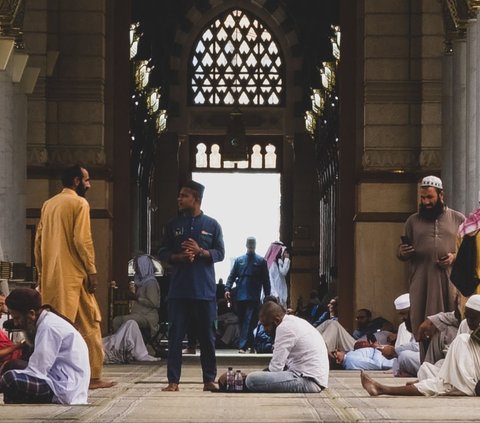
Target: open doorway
[[245, 204]]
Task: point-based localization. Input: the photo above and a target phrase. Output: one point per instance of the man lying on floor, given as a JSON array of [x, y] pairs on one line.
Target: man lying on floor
[[459, 373], [300, 360], [369, 358], [58, 370]]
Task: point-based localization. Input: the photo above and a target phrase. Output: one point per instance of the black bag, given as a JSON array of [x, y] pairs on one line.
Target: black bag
[[464, 268]]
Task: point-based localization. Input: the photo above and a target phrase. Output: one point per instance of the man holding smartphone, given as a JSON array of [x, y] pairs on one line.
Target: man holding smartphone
[[429, 245]]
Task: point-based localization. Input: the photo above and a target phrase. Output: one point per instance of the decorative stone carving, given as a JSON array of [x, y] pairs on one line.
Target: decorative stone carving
[[381, 159], [391, 159], [64, 155], [37, 155], [431, 158]]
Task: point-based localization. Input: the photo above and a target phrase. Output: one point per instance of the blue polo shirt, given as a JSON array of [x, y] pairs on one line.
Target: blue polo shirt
[[193, 280]]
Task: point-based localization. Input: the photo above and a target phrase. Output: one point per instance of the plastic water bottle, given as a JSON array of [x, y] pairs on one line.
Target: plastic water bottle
[[238, 381], [231, 379]]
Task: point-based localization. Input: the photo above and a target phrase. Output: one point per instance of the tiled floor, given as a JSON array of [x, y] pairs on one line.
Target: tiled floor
[[138, 398]]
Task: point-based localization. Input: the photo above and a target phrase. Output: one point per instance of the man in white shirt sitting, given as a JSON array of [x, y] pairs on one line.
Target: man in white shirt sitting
[[58, 370], [300, 360]]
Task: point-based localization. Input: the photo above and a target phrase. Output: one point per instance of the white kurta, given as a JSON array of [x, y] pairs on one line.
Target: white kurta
[[458, 374], [60, 357], [404, 336], [278, 272]]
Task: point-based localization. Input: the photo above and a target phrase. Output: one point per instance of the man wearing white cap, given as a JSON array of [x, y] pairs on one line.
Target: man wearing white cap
[[459, 373], [429, 245], [406, 350]]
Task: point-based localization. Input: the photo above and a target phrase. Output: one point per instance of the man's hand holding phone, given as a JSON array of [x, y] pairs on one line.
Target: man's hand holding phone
[[405, 250]]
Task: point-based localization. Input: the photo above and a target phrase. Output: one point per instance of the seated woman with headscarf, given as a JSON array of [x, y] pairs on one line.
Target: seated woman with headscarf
[[147, 297]]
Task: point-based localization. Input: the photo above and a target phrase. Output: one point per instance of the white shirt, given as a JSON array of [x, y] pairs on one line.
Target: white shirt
[[300, 347], [278, 271], [60, 357]]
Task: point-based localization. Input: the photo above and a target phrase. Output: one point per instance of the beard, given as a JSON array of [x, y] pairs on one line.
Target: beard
[[432, 213], [30, 331], [408, 325], [81, 190]]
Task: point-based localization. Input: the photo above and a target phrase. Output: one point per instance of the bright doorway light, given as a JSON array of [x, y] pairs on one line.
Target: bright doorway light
[[244, 204]]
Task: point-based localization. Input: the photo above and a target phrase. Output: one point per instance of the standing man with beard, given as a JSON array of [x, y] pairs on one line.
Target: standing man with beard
[[65, 260], [193, 243], [430, 247]]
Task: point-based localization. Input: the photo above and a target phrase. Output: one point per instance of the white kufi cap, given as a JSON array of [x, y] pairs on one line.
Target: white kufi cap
[[402, 302], [432, 181], [473, 302]]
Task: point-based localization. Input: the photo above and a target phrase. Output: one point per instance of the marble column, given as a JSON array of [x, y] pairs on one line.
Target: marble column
[[477, 117], [13, 118], [447, 123], [459, 125], [472, 182]]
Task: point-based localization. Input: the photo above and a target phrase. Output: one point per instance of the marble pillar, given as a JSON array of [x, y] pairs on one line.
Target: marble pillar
[[459, 125], [472, 165], [12, 169], [477, 117], [447, 124]]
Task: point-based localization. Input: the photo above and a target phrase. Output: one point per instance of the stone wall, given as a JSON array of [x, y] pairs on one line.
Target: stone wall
[[399, 139], [66, 121]]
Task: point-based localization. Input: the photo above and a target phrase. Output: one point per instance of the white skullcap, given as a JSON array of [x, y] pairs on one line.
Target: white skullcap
[[402, 302], [432, 181], [473, 302]]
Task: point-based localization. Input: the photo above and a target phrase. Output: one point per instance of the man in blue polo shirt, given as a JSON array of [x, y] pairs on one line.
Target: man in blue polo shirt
[[250, 274], [193, 243]]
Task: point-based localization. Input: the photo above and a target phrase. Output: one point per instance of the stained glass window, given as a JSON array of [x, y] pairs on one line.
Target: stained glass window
[[236, 60]]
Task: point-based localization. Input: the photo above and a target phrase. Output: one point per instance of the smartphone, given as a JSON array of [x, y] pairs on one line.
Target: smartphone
[[405, 240]]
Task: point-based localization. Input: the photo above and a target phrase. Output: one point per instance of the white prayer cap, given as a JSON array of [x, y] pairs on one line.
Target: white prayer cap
[[473, 302], [432, 181], [402, 302]]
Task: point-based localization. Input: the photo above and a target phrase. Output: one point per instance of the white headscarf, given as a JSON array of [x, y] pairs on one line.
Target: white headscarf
[[473, 302]]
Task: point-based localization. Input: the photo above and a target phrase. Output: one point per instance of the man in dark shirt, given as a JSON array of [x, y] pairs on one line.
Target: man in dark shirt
[[193, 243], [250, 274]]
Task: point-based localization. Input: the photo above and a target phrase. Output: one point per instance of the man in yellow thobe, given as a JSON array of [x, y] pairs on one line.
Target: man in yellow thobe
[[65, 260]]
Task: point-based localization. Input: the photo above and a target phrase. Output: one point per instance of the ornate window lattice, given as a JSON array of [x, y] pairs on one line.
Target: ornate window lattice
[[236, 61], [259, 157]]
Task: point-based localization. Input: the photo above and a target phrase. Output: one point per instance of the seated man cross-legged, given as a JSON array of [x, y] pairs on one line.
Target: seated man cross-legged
[[300, 360], [58, 370], [458, 375]]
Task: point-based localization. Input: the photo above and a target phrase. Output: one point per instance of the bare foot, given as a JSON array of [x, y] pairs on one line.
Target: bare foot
[[413, 382], [369, 384], [171, 387], [210, 386], [100, 384]]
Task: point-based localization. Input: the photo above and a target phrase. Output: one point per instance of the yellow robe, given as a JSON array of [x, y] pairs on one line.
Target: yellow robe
[[64, 256]]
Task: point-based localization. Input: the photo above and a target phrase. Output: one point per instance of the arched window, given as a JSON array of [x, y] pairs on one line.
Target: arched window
[[236, 61], [262, 154]]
